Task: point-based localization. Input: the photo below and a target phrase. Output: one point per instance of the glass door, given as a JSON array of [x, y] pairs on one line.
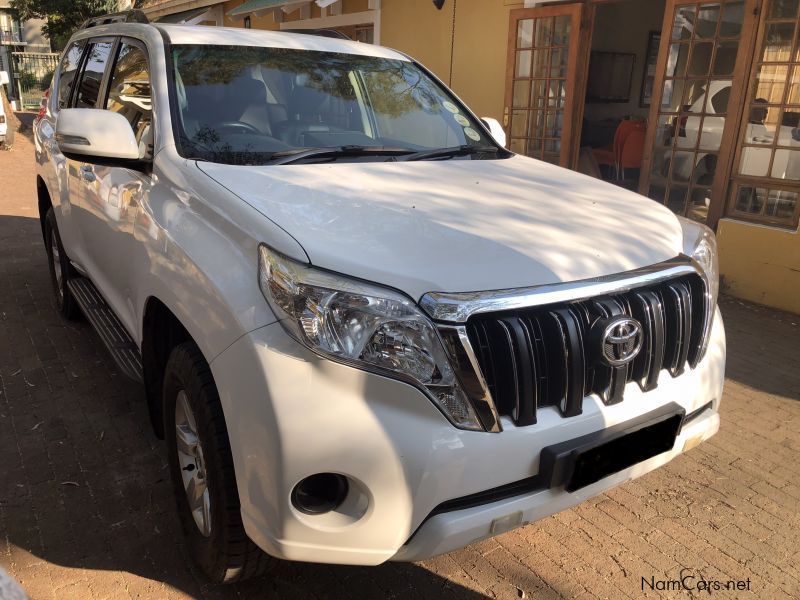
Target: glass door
[[700, 75], [766, 170], [542, 59]]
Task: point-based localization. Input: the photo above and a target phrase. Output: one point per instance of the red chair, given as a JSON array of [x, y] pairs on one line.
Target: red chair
[[610, 157], [631, 155]]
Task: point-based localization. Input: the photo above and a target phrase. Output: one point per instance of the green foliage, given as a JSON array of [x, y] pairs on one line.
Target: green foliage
[[63, 16], [28, 80]]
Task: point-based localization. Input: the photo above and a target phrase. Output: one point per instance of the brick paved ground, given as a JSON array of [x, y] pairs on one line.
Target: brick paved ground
[[86, 508]]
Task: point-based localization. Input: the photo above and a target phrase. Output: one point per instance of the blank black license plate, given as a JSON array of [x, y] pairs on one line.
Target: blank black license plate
[[612, 456]]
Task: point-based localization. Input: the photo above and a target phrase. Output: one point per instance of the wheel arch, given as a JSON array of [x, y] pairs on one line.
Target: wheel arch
[[162, 331], [44, 200]]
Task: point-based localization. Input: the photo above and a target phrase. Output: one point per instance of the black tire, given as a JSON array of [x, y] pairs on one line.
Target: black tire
[[65, 303], [225, 555]]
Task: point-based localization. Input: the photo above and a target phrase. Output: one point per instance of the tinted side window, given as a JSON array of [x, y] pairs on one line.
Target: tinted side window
[[69, 68], [92, 76], [129, 93]]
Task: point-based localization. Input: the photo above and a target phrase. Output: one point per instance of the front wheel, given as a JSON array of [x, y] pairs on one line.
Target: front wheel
[[202, 472], [61, 270]]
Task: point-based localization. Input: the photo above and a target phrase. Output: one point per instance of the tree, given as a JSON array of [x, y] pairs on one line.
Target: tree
[[63, 16]]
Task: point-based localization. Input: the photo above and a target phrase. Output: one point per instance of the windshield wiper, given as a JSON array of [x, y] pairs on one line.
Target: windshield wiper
[[291, 156], [463, 150]]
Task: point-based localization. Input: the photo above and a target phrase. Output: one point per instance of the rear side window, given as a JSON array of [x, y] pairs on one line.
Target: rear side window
[[129, 92], [92, 75], [69, 68]]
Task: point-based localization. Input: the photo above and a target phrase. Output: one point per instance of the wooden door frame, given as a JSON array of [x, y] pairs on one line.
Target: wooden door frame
[[573, 9], [744, 59]]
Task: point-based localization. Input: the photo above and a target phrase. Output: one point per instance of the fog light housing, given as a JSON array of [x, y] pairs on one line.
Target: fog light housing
[[320, 493]]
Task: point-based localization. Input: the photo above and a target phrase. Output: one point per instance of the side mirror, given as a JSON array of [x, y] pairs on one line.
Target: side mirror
[[98, 136], [496, 130]]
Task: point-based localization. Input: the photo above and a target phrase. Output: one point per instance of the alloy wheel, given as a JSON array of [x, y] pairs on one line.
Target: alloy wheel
[[192, 465]]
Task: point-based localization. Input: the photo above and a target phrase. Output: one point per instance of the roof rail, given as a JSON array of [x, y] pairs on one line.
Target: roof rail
[[128, 16], [328, 33]]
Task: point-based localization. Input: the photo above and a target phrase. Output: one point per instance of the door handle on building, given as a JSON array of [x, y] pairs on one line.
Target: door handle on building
[[87, 173]]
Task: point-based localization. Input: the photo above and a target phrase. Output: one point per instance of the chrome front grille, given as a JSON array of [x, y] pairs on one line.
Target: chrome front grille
[[549, 355]]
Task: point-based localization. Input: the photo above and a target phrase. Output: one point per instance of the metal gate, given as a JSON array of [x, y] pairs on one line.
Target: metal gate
[[33, 72]]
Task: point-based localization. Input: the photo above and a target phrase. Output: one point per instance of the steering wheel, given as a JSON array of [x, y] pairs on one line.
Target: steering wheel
[[239, 127]]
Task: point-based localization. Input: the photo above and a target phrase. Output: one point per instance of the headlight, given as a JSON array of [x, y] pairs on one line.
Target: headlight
[[365, 326], [700, 244]]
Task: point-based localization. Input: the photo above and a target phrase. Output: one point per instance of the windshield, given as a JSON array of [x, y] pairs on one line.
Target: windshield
[[242, 105]]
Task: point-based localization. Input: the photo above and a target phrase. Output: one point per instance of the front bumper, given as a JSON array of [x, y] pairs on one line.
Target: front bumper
[[291, 414]]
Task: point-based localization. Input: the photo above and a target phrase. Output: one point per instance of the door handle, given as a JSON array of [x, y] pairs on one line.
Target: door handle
[[87, 173]]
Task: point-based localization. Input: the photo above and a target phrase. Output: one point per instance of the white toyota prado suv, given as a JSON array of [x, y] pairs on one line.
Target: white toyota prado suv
[[366, 331]]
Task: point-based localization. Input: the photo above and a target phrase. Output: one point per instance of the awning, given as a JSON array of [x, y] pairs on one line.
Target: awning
[[252, 6], [182, 17]]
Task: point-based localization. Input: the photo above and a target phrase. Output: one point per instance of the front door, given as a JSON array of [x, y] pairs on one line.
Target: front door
[[540, 90], [113, 195], [700, 79]]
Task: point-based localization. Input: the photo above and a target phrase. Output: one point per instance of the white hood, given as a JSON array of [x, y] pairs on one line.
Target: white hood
[[458, 225]]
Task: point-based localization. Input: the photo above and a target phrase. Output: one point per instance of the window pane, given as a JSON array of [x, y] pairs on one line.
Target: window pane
[[751, 200], [69, 66], [558, 62], [129, 94], [732, 18], [707, 18], [524, 63], [755, 162], [677, 199], [711, 138], [563, 25], [778, 42], [786, 164], [525, 33], [794, 86], [92, 78], [544, 32], [725, 59], [783, 9], [521, 93], [518, 146], [537, 124], [664, 131], [694, 94], [682, 166], [676, 62], [519, 123], [771, 83], [720, 95], [701, 58], [541, 59], [657, 192], [781, 204], [699, 202], [684, 23]]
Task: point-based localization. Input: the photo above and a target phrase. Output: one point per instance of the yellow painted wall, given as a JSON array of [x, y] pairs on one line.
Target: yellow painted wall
[[479, 58], [478, 55], [418, 29], [760, 264]]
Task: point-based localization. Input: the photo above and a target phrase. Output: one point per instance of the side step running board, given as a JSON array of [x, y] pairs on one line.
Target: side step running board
[[108, 326]]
